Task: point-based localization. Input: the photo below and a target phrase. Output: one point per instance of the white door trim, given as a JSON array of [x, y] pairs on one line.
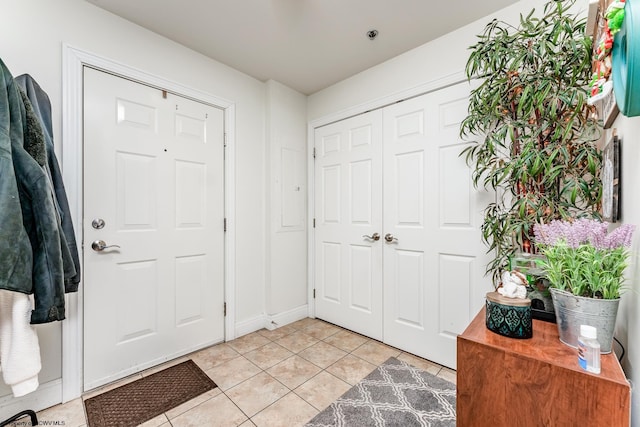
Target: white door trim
[[73, 60], [429, 86]]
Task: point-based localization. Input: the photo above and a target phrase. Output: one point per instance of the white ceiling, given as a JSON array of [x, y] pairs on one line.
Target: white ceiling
[[304, 44]]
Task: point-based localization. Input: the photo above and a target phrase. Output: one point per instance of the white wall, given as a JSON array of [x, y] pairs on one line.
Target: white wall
[[32, 33], [286, 187], [628, 322]]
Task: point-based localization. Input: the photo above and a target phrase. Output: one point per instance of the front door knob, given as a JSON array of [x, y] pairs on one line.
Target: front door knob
[[375, 237], [100, 245]]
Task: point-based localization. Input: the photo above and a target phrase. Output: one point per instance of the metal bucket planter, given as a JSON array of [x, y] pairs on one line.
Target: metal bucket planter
[[573, 311]]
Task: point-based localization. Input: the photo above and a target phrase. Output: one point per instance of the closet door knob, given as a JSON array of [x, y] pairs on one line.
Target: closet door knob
[[389, 238], [100, 245], [375, 237]]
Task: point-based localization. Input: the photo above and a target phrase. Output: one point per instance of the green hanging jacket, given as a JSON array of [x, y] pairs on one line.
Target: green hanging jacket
[[30, 255]]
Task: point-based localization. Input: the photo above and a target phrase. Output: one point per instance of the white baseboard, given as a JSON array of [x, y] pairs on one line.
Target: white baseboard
[[274, 321], [46, 396], [250, 325]]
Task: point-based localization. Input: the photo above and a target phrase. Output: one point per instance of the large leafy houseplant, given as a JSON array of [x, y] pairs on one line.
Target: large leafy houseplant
[[538, 134]]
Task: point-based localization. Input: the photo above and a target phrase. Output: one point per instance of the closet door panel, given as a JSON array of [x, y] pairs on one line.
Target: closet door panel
[[409, 298], [455, 280], [361, 192], [348, 207], [331, 194], [331, 273], [408, 197], [456, 193], [432, 212], [361, 279]]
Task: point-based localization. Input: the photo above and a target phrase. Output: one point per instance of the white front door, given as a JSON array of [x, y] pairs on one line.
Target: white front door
[[348, 201], [434, 265], [153, 186]]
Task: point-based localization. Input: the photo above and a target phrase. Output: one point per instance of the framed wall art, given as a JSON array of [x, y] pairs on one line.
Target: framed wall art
[[611, 180]]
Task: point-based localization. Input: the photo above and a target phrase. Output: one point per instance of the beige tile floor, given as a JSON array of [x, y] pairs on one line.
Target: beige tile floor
[[268, 378]]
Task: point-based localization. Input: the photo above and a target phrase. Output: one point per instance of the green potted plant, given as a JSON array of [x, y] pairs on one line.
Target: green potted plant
[[537, 148], [584, 264]]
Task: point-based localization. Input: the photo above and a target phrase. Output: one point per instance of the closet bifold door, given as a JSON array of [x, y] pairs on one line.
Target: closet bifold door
[[398, 249], [348, 213], [434, 262]]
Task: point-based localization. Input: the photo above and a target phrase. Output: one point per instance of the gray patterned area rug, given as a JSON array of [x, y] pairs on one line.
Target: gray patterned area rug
[[395, 394]]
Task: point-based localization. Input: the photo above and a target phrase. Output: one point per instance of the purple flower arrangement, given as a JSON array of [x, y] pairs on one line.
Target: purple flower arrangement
[[583, 258]]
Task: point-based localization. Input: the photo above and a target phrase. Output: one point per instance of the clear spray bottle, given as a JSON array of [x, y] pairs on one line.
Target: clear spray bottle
[[589, 349]]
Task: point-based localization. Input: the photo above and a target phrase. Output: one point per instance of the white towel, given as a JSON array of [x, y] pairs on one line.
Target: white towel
[[19, 347]]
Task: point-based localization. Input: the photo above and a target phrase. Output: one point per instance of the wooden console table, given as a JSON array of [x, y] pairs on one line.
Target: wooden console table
[[534, 382]]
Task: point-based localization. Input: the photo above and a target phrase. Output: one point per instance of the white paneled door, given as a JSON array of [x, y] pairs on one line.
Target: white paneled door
[[434, 258], [153, 226], [423, 280], [348, 200]]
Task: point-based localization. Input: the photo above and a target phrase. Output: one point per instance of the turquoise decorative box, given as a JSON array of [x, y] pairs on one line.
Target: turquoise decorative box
[[510, 317]]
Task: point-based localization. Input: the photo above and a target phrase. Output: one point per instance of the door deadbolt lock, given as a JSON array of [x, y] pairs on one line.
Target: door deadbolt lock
[[98, 223]]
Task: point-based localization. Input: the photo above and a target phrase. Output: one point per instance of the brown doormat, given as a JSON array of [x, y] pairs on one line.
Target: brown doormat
[[148, 397]]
